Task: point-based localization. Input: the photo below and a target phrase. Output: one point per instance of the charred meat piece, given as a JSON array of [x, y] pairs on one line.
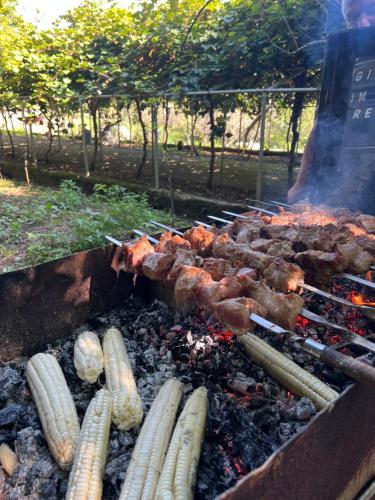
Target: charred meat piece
[[217, 268], [274, 232], [170, 244], [358, 260], [319, 267], [188, 281], [284, 276], [201, 239], [156, 266], [368, 222], [282, 309], [262, 244], [281, 248], [367, 243], [235, 313], [277, 248], [314, 238], [134, 254], [249, 231]]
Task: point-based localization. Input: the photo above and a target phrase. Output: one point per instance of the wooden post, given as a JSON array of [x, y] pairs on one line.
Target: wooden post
[[258, 194], [84, 144]]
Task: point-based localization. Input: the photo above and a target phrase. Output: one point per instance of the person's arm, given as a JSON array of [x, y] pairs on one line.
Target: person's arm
[[298, 191]]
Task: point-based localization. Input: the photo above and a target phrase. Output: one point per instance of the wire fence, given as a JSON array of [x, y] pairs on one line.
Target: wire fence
[[232, 141]]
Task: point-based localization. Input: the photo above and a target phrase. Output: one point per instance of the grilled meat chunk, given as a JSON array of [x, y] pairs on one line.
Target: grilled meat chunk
[[218, 268], [320, 266], [224, 247], [134, 253], [358, 260], [188, 281], [201, 239], [182, 257], [235, 313], [368, 222], [170, 244], [156, 266], [284, 276], [274, 232], [282, 309], [208, 294]]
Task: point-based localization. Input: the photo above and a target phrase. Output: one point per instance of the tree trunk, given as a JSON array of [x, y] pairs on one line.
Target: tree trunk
[[32, 146], [297, 109], [50, 139], [8, 132], [130, 124], [210, 181], [93, 112], [194, 119], [240, 135], [167, 112], [145, 141]]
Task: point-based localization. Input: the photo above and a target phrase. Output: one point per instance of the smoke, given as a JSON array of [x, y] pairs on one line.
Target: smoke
[[335, 20]]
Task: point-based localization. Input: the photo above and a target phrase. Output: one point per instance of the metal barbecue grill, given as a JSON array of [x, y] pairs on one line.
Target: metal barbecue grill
[[41, 304]]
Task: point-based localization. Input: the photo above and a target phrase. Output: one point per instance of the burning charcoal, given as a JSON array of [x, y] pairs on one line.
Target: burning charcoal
[[241, 383], [285, 432], [11, 414], [11, 385], [303, 410]]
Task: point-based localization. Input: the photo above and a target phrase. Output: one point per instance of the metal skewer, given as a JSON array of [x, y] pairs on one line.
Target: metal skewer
[[219, 219], [367, 310], [239, 216], [168, 228], [279, 203], [346, 334], [150, 238], [204, 224], [114, 241], [357, 279], [352, 367], [262, 210]]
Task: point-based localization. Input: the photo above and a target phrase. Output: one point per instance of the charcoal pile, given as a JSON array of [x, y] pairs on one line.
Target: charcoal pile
[[249, 414]]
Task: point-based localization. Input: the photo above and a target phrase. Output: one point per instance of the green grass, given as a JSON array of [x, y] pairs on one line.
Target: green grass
[[40, 224]]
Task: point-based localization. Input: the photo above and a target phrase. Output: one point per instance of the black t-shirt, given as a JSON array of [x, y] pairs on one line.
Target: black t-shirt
[[354, 183]]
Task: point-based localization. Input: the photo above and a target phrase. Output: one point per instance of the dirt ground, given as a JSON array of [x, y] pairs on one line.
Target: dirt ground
[[235, 175]]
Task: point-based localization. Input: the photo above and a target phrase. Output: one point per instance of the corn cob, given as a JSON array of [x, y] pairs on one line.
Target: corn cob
[[288, 373], [86, 476], [178, 475], [127, 409], [88, 357], [8, 459], [152, 443], [55, 407]]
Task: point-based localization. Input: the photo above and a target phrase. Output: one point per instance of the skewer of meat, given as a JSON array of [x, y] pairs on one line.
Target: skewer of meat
[[195, 286]]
